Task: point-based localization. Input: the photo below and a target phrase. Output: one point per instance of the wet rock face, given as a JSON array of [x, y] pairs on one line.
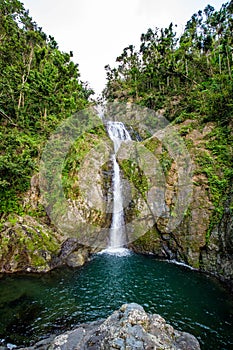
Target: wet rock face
[[129, 328], [72, 254], [195, 241], [217, 255]]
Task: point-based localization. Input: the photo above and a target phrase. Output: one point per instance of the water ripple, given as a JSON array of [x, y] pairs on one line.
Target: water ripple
[[188, 300]]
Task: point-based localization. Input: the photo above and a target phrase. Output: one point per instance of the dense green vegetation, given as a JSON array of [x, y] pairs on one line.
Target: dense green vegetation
[[40, 86], [190, 80], [190, 74]]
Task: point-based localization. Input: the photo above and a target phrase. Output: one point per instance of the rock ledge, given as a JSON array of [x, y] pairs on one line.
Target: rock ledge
[[129, 328]]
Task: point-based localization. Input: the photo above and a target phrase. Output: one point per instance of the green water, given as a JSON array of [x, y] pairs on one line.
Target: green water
[[35, 306]]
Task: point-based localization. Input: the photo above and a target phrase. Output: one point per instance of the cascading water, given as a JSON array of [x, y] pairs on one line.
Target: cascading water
[[117, 133]]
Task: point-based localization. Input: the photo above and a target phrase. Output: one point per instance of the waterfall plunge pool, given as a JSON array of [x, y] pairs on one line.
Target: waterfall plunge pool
[[36, 306]]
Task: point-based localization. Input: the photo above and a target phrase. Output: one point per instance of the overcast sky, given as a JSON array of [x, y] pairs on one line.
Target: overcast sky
[[97, 31]]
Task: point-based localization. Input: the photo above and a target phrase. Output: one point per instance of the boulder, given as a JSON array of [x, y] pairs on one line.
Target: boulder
[[27, 245], [129, 328]]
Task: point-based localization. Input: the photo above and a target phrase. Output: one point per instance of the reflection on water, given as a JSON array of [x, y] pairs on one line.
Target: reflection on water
[[31, 307]]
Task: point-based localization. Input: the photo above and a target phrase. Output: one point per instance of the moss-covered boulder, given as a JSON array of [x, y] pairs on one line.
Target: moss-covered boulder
[[26, 245], [29, 246]]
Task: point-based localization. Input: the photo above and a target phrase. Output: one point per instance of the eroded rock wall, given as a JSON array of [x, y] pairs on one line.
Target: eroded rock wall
[[202, 239]]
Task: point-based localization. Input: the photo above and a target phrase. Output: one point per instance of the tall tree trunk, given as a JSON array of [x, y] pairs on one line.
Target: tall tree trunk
[[186, 68], [219, 63], [228, 63], [24, 78]]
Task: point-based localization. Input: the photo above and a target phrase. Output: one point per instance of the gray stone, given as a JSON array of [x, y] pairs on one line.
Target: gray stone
[[129, 328]]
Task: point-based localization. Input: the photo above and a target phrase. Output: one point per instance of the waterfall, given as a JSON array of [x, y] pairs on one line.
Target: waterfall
[[117, 133]]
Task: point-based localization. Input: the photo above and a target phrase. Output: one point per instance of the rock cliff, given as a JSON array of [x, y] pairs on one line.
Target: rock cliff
[[203, 238]]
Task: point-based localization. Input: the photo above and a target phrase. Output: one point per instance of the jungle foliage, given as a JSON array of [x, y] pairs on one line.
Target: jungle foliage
[[183, 75], [40, 87]]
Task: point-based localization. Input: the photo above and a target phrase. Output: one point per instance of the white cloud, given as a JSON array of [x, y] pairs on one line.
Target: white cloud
[[98, 30]]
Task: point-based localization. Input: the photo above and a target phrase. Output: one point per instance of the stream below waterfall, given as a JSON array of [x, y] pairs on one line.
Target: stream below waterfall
[[36, 306]]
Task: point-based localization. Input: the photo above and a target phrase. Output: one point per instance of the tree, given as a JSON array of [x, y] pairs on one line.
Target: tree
[[40, 86], [195, 69]]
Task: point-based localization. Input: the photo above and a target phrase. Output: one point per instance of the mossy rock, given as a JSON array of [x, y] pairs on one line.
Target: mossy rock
[[26, 245]]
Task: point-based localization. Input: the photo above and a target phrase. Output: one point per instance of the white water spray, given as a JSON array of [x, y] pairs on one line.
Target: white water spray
[[117, 133]]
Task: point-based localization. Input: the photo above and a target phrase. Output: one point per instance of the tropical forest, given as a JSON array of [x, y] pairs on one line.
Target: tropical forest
[[116, 211]]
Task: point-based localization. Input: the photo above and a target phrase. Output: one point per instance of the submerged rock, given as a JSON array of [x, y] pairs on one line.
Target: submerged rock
[[129, 328]]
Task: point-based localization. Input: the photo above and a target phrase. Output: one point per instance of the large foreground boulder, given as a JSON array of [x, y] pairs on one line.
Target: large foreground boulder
[[129, 328]]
